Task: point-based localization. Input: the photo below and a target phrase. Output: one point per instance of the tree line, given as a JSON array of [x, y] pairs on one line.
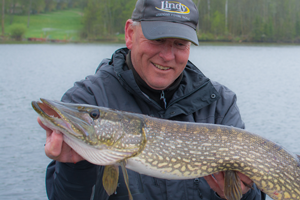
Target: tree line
[[10, 8], [255, 20], [238, 20]]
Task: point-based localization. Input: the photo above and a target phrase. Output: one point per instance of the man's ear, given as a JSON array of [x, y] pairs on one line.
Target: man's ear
[[129, 32]]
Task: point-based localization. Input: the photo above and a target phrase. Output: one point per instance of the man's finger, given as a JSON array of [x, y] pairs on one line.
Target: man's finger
[[211, 182], [53, 146], [245, 179], [220, 179], [246, 182], [214, 185], [69, 155]]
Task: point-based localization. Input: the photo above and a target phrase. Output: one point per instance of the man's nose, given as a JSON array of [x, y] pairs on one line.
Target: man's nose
[[167, 52]]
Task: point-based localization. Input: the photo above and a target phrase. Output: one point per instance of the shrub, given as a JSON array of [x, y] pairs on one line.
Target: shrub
[[206, 36], [17, 31]]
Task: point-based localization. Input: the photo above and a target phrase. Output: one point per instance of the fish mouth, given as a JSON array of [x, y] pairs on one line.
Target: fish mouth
[[57, 116], [45, 109]]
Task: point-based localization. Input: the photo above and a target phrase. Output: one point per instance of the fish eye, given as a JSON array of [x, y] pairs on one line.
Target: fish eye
[[95, 114]]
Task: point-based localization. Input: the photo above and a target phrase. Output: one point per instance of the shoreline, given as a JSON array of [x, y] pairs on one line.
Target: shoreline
[[118, 40]]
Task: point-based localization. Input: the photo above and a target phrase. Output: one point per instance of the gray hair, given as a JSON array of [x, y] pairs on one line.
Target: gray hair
[[136, 23]]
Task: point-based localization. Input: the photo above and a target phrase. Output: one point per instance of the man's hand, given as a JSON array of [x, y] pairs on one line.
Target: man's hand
[[57, 149], [216, 182]]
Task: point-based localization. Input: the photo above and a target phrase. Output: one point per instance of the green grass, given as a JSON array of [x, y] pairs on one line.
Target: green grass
[[62, 25]]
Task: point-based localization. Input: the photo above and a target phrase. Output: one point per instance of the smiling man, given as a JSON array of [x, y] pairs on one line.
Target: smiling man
[[152, 76], [158, 62]]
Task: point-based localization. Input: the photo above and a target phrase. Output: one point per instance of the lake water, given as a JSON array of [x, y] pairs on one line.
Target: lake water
[[265, 78]]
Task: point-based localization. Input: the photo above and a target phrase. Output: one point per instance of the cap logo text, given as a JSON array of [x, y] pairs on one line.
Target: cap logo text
[[173, 7]]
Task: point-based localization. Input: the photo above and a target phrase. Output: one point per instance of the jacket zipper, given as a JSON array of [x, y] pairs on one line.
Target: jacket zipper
[[196, 182], [163, 98]]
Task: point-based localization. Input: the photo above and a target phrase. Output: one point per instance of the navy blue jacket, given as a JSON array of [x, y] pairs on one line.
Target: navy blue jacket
[[196, 100]]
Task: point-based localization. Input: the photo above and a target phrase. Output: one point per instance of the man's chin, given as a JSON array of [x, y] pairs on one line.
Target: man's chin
[[161, 86]]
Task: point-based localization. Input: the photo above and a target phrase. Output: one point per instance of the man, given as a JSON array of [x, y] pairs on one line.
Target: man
[[151, 76]]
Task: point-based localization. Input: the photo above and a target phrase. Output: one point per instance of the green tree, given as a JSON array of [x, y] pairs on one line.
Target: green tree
[[218, 23], [257, 29], [104, 18], [297, 27], [78, 4], [90, 17], [29, 9], [62, 4], [50, 5], [2, 17], [38, 6], [268, 31], [12, 8]]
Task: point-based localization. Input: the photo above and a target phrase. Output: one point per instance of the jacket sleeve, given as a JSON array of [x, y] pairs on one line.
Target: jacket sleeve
[[66, 181], [227, 111]]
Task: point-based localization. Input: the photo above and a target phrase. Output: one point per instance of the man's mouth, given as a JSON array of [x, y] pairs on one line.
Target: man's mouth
[[161, 67]]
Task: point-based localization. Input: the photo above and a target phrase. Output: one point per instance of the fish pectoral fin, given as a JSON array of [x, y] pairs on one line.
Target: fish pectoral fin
[[124, 170], [232, 186], [110, 178]]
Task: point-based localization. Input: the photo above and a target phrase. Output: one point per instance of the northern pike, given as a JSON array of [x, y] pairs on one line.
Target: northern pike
[[172, 149]]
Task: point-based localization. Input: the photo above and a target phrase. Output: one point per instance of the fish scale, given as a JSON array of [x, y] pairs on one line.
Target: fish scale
[[171, 149]]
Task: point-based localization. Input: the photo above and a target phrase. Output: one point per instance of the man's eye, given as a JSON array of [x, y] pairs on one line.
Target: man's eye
[[182, 45], [160, 40]]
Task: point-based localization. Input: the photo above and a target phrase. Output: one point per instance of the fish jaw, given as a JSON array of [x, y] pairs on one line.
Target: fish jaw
[[63, 118]]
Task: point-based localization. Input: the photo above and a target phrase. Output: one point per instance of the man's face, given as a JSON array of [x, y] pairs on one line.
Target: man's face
[[158, 62]]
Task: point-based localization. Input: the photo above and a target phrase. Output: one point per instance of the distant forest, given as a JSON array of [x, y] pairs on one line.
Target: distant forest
[[221, 20]]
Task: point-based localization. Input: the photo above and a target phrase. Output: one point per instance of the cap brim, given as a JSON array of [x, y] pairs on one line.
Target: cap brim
[[153, 30]]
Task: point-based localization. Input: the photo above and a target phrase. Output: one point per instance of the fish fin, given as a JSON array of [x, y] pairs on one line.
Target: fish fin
[[298, 156], [232, 186], [124, 170], [110, 178]]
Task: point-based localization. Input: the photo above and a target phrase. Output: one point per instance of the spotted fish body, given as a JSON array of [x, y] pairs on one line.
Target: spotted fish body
[[171, 149]]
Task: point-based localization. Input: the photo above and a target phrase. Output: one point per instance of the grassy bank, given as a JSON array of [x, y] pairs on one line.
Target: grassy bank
[[61, 25], [67, 25]]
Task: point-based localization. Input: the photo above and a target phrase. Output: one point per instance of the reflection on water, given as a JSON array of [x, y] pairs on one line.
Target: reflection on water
[[265, 79]]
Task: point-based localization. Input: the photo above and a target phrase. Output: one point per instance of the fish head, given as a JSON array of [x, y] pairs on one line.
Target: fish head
[[115, 134]]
